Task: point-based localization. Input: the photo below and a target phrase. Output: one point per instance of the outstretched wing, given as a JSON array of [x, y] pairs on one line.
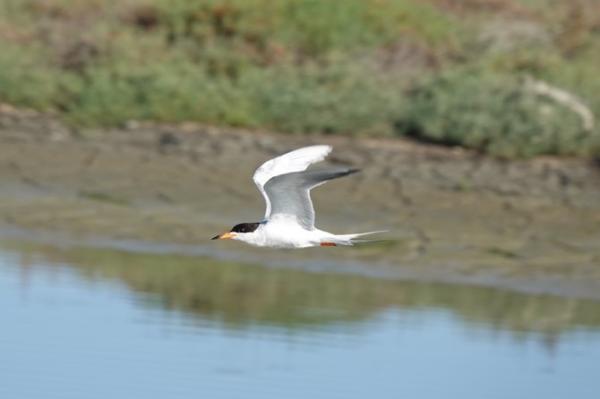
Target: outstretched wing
[[289, 194], [294, 161]]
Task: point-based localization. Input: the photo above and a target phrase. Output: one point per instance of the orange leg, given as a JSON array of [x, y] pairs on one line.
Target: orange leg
[[328, 244]]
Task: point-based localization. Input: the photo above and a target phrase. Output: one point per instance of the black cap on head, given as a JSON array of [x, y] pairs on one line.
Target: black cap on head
[[245, 227]]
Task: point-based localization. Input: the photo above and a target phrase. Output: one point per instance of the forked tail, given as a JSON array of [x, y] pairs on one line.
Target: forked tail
[[351, 239]]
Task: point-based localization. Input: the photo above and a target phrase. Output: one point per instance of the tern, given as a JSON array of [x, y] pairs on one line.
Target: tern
[[289, 221]]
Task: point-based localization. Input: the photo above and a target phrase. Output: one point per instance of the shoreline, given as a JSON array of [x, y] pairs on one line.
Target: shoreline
[[455, 216], [388, 272]]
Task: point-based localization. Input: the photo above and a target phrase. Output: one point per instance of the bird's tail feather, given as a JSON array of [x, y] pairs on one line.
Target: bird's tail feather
[[351, 239]]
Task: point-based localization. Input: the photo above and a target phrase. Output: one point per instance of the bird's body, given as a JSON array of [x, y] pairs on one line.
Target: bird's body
[[289, 220], [284, 233]]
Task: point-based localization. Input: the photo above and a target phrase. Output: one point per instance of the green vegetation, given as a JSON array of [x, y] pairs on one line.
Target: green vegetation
[[495, 114], [437, 70]]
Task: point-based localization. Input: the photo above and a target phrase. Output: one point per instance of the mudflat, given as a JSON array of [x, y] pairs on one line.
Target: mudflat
[[453, 215]]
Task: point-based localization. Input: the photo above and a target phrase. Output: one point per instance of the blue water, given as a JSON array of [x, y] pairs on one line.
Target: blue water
[[64, 335]]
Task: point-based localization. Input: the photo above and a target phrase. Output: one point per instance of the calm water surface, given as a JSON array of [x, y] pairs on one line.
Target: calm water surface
[[83, 323]]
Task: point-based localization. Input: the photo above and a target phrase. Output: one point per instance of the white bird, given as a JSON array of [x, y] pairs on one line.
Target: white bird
[[289, 220]]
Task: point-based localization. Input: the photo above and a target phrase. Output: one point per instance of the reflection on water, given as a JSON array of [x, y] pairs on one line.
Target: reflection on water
[[98, 323]]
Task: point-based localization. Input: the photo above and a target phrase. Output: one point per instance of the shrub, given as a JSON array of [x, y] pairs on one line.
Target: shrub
[[333, 99], [166, 92], [337, 98], [494, 113], [310, 66], [25, 81]]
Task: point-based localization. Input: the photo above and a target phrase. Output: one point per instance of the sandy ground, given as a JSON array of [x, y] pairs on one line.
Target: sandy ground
[[454, 215]]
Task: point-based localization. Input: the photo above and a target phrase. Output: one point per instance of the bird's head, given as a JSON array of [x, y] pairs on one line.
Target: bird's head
[[241, 232]]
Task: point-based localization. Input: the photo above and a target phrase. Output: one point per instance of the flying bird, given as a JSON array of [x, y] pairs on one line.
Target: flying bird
[[289, 221]]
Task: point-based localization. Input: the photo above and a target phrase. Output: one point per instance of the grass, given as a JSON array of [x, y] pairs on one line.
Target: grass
[[434, 70]]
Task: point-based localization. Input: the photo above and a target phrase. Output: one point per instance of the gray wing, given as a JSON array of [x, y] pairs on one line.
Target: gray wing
[[293, 161], [289, 194]]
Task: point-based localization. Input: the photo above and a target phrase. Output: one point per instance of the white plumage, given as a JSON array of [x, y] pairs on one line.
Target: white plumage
[[289, 221], [293, 161]]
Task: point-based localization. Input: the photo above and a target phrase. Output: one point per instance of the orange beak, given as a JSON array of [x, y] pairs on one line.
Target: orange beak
[[225, 236]]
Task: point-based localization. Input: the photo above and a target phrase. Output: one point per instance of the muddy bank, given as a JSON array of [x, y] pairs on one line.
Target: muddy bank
[[454, 215]]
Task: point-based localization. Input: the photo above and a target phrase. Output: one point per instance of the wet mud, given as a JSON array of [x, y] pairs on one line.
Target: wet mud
[[453, 215]]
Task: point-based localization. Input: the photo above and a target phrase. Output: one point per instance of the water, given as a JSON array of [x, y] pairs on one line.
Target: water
[[81, 323]]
